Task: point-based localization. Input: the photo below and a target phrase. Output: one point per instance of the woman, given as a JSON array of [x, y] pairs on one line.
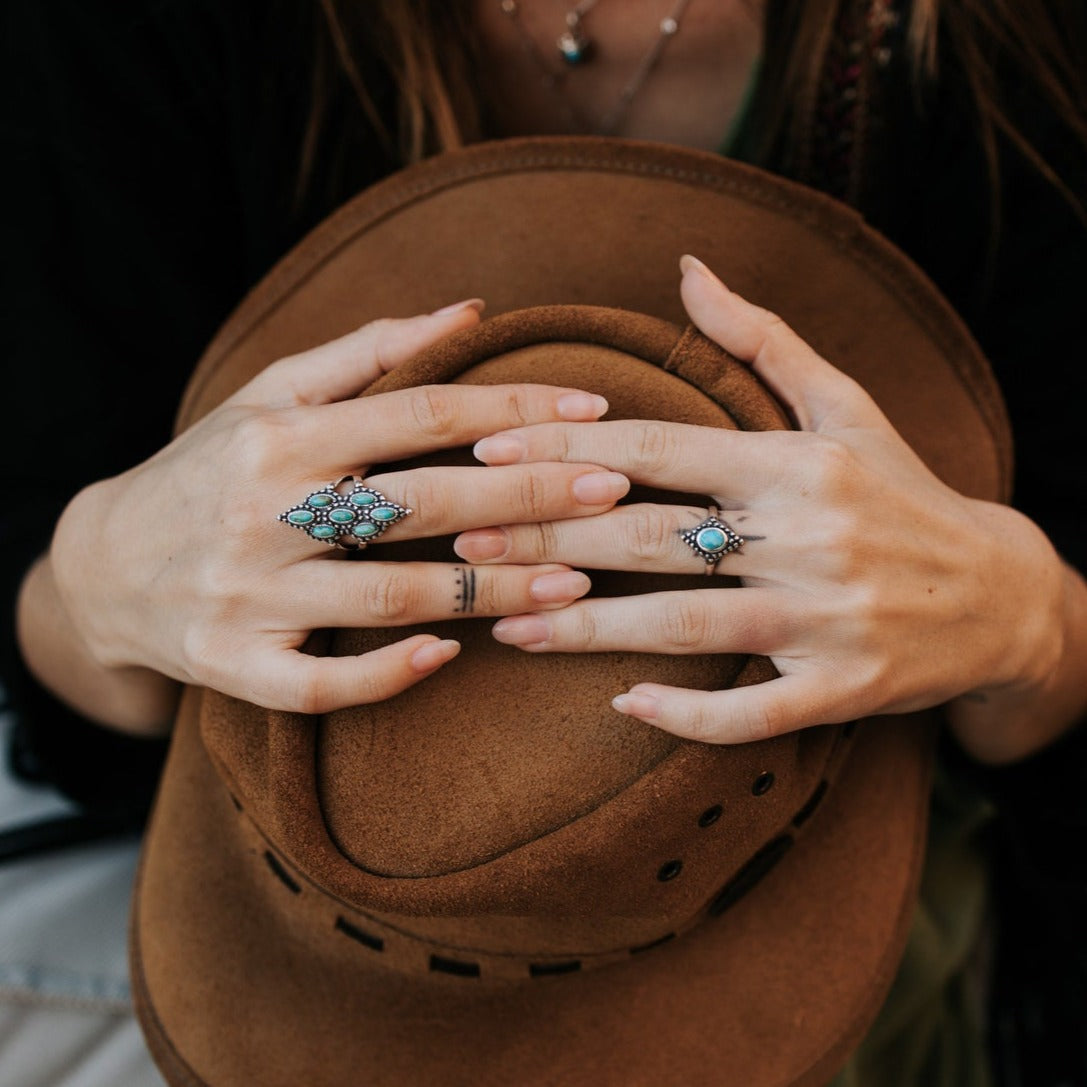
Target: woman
[[184, 147]]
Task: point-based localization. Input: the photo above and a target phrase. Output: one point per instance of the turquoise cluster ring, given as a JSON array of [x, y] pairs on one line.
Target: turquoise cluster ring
[[711, 539], [349, 519]]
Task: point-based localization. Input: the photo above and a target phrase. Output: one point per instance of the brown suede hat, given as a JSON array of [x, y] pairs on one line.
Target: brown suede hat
[[493, 878]]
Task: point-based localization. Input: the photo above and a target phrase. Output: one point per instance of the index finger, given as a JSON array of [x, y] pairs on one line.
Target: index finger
[[675, 456], [426, 418]]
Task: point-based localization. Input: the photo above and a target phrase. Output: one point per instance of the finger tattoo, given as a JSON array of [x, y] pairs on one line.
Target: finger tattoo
[[466, 589]]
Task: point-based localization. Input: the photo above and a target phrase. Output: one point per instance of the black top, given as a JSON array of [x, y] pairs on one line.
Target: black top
[[152, 164]]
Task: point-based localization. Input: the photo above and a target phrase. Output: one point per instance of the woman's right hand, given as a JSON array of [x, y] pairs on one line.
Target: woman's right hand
[[179, 566]]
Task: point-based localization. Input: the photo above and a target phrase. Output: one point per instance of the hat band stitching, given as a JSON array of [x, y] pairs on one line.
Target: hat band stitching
[[744, 880]]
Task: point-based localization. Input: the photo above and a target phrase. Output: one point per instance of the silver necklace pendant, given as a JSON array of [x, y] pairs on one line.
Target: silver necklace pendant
[[573, 43]]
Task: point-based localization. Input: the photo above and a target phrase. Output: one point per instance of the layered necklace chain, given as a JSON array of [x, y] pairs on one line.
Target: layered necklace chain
[[575, 46]]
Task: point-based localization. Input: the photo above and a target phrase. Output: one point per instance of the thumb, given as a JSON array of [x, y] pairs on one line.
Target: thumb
[[342, 368], [816, 392]]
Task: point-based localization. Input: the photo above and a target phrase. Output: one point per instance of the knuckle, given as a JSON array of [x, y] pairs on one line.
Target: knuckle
[[831, 466], [652, 447], [650, 534], [258, 441], [200, 651], [434, 412], [371, 686], [867, 609], [685, 623], [564, 445], [382, 335], [531, 495], [774, 323], [418, 491], [875, 682], [517, 407], [765, 722], [835, 540], [307, 694], [488, 598], [388, 598], [227, 580], [588, 629], [701, 724], [547, 540]]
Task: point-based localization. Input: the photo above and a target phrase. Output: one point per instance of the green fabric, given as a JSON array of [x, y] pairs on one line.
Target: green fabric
[[929, 1032], [731, 145]]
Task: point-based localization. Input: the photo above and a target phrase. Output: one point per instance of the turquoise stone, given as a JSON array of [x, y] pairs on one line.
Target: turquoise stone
[[324, 532], [319, 501], [341, 516], [385, 513], [300, 517], [366, 528], [711, 539], [362, 498]]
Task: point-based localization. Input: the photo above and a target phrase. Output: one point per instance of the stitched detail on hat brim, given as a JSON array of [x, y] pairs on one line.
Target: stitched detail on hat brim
[[743, 880], [280, 872]]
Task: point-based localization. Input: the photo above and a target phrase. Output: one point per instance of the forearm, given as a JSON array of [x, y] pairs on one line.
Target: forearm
[[1005, 725], [131, 699]]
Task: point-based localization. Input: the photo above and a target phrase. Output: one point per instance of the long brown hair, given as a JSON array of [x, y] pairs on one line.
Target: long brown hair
[[426, 47]]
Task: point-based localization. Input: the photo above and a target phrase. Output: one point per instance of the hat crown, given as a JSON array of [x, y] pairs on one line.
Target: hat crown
[[505, 785]]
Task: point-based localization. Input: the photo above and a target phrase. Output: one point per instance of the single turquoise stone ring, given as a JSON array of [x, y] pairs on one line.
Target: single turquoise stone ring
[[349, 519], [711, 538]]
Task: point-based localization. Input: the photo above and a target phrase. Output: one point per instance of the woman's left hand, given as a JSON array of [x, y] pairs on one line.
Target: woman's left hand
[[873, 586]]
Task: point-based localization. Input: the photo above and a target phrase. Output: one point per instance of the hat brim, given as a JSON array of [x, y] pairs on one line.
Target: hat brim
[[782, 988], [603, 222], [300, 1004]]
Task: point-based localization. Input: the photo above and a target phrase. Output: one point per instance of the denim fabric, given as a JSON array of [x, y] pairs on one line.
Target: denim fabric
[[65, 1013]]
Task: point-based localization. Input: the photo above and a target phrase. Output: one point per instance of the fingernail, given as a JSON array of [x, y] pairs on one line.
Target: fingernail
[[637, 704], [469, 303], [559, 586], [596, 487], [500, 449], [687, 263], [579, 407], [522, 630], [482, 543], [430, 656]]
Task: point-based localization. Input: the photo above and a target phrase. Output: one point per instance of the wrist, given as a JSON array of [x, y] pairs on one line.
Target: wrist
[[64, 637], [84, 582], [1037, 693]]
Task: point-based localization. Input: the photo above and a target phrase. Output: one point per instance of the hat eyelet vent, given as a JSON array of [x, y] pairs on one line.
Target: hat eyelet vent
[[710, 816], [669, 870], [281, 873], [553, 969], [367, 939], [763, 783], [813, 801], [457, 967]]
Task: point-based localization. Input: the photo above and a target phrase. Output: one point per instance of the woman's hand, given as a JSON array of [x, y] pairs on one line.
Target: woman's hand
[[180, 568], [872, 586]]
